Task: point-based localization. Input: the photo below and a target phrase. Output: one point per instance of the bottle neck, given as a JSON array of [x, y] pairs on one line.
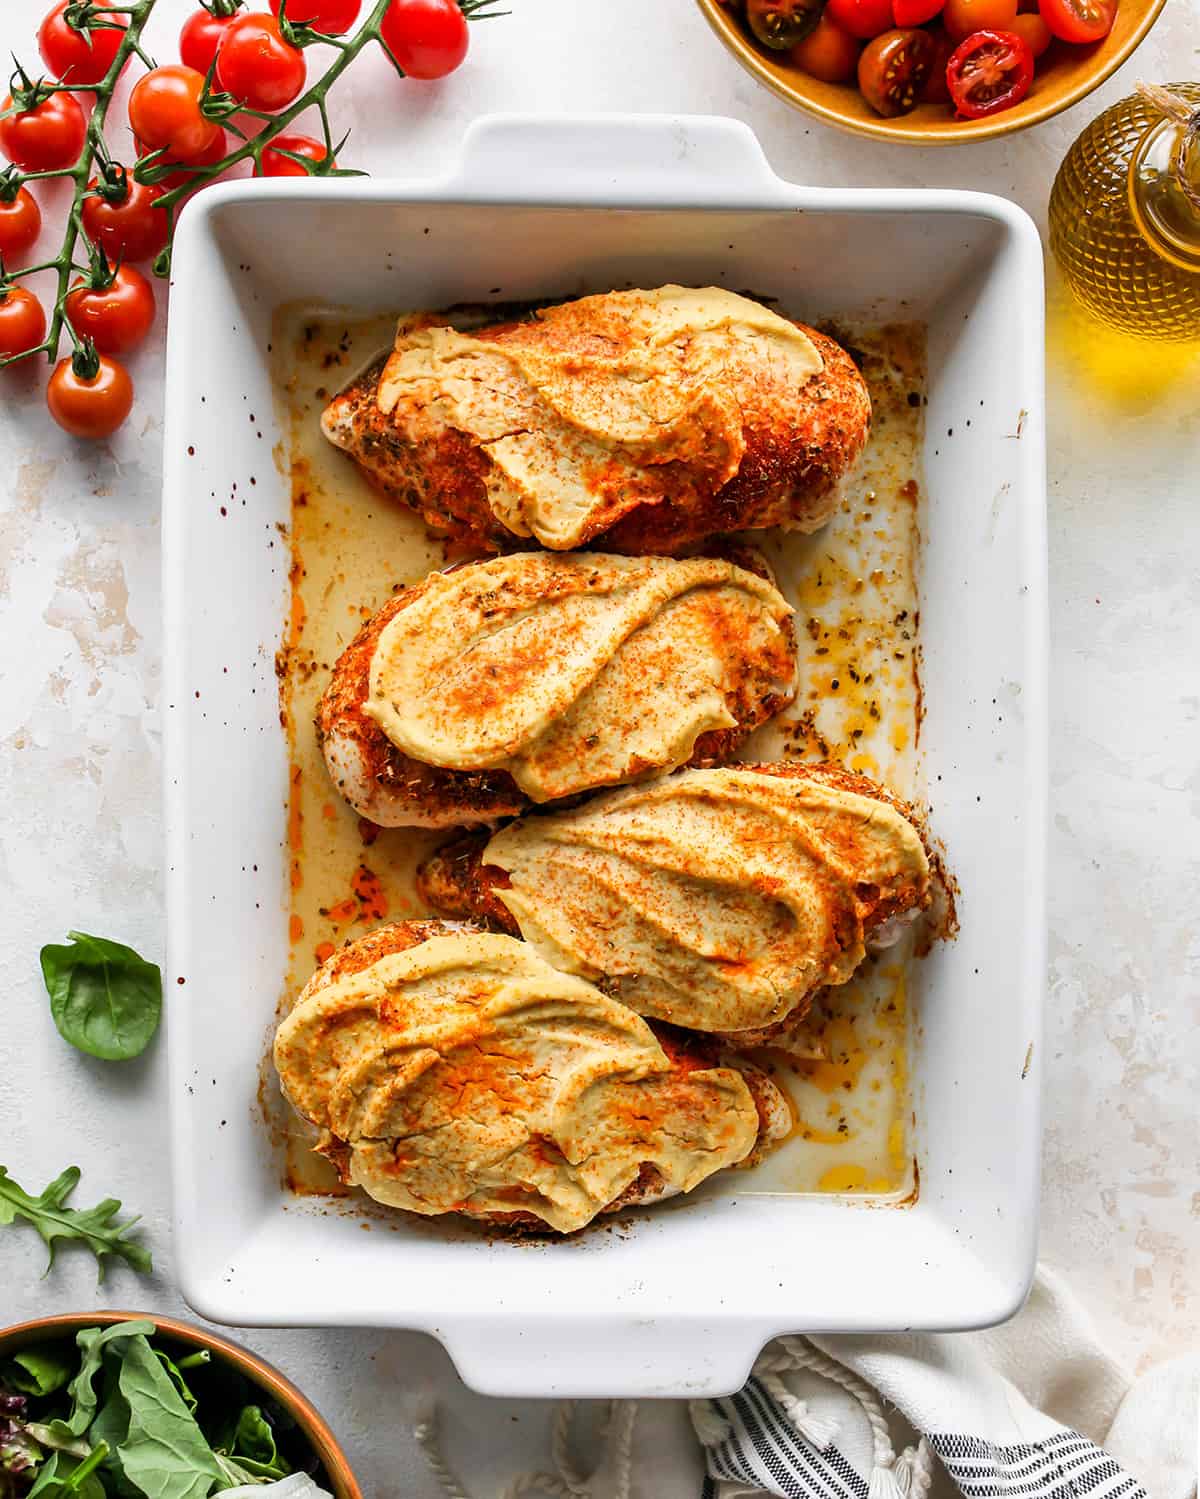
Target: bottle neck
[[1164, 192]]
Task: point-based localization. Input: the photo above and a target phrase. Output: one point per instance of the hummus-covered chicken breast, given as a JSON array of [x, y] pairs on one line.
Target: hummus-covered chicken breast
[[454, 1071], [537, 676], [720, 900], [635, 421]]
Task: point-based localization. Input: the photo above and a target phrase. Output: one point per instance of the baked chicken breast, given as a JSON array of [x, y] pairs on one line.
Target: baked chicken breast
[[537, 676], [454, 1071], [721, 900], [637, 421]]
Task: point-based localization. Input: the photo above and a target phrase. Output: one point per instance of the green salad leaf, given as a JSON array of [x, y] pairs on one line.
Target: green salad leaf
[[98, 1228], [106, 999], [95, 1342], [38, 1371], [164, 1453]]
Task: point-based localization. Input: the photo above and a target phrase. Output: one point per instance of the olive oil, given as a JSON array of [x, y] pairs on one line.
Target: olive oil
[[1125, 215]]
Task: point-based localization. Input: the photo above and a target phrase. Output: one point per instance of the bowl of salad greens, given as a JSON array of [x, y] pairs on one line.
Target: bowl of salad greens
[[121, 1405]]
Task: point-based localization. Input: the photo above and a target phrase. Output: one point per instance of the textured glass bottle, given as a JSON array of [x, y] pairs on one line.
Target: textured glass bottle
[[1122, 227]]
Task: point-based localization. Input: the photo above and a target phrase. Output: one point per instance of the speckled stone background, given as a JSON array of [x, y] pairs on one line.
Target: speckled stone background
[[80, 821]]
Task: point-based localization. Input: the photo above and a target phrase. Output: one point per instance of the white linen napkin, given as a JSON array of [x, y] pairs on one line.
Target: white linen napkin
[[1035, 1409]]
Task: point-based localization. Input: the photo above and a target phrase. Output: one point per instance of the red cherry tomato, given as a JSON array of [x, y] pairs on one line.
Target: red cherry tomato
[[915, 12], [275, 164], [129, 228], [20, 223], [46, 137], [115, 317], [936, 90], [962, 17], [990, 71], [861, 18], [828, 53], [1033, 31], [201, 35], [22, 321], [257, 66], [1079, 20], [79, 57], [894, 69], [428, 38], [332, 17], [164, 111], [90, 406]]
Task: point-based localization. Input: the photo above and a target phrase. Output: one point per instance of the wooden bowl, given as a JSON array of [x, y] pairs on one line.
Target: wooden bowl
[[317, 1433], [1064, 76]]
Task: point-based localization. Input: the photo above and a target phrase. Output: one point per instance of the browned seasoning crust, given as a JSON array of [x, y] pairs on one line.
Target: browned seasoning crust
[[456, 882], [439, 797], [686, 1052], [796, 452]]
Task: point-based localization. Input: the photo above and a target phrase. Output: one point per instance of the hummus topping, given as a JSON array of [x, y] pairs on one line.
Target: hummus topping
[[578, 433], [715, 899], [466, 1075], [571, 672]]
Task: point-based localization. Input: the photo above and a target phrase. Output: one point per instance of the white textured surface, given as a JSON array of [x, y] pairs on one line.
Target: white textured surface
[[79, 730]]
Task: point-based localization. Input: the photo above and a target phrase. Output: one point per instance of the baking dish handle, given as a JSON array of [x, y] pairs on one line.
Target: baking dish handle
[[655, 160]]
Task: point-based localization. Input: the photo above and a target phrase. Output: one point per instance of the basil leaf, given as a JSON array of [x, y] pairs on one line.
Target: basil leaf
[[106, 999], [164, 1454], [39, 1371]]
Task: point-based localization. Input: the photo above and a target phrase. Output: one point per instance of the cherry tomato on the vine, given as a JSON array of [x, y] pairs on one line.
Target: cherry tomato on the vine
[[990, 71], [79, 56], [428, 38], [894, 70], [332, 17], [128, 228], [22, 321], [258, 66], [1079, 20], [164, 111], [829, 53], [962, 17], [201, 35], [20, 223], [275, 164], [861, 18], [115, 317], [89, 404], [1033, 31], [46, 137]]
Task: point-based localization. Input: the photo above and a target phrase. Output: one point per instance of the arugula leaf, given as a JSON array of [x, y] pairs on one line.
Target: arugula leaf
[[38, 1371], [97, 1228], [164, 1454], [94, 1341], [106, 999]]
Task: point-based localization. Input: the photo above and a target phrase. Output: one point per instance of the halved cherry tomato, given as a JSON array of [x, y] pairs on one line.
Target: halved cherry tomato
[[894, 69], [164, 110], [89, 405], [1033, 31], [861, 18], [990, 71], [22, 321], [1079, 20], [258, 66], [780, 24], [202, 33], [207, 158], [128, 227], [332, 17], [20, 223], [962, 17], [936, 90], [275, 164], [115, 317], [428, 38], [828, 53], [79, 57], [46, 137], [915, 12]]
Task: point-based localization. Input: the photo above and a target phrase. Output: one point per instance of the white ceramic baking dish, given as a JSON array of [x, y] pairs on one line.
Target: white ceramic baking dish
[[681, 1300]]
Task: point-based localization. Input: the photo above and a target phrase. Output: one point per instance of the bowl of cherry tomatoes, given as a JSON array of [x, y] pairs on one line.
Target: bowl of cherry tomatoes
[[931, 72]]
